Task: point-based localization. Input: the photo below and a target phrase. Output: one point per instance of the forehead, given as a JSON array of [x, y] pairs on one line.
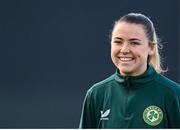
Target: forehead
[[129, 30]]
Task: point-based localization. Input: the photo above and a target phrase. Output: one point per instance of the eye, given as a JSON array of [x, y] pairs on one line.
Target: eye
[[134, 43], [118, 42]]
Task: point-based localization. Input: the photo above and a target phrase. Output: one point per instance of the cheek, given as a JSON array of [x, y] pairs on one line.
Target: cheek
[[114, 50], [144, 53]]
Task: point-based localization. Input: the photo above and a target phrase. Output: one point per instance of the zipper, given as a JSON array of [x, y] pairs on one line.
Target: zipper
[[128, 85]]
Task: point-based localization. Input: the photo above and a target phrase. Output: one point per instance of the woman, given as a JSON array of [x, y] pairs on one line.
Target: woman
[[137, 95]]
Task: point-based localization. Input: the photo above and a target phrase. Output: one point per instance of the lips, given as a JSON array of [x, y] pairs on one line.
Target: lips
[[126, 59]]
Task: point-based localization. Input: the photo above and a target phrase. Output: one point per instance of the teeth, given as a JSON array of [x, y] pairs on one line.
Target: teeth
[[126, 59]]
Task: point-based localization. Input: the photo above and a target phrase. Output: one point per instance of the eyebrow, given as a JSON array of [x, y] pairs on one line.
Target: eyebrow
[[132, 39]]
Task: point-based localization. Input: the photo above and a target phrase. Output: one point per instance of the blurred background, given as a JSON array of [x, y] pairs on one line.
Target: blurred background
[[52, 51]]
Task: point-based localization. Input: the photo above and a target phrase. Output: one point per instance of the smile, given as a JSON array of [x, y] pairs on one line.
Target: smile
[[126, 59]]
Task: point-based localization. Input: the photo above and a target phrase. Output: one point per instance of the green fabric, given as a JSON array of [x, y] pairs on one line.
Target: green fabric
[[119, 102]]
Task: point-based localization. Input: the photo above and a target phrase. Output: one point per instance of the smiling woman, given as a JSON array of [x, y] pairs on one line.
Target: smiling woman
[[130, 48], [137, 95]]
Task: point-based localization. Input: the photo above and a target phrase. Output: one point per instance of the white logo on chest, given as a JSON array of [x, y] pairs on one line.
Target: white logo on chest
[[104, 115]]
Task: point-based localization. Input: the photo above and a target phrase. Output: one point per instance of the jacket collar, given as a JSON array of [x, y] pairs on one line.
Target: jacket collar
[[147, 76]]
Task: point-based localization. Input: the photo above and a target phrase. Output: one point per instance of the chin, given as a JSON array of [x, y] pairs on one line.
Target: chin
[[125, 71]]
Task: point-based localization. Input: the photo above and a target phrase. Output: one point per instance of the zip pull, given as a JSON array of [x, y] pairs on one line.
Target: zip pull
[[127, 81]]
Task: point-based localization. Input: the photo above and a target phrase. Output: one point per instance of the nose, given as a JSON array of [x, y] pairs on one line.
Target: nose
[[125, 48]]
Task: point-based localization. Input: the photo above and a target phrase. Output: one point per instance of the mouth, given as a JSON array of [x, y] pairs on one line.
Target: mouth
[[126, 59]]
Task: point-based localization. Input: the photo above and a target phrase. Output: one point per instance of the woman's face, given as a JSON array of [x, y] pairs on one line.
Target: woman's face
[[130, 48]]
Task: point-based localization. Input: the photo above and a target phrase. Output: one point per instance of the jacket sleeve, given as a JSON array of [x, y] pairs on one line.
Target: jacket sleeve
[[88, 116], [174, 118]]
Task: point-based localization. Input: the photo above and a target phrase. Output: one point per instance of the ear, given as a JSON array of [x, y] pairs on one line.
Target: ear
[[152, 48]]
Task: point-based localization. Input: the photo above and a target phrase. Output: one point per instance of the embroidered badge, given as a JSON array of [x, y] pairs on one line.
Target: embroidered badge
[[153, 115]]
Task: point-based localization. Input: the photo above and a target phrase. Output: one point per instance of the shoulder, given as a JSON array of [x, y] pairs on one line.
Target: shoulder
[[168, 84], [102, 85]]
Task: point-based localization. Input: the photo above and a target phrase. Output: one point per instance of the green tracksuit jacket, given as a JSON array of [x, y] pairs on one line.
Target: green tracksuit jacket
[[146, 101]]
